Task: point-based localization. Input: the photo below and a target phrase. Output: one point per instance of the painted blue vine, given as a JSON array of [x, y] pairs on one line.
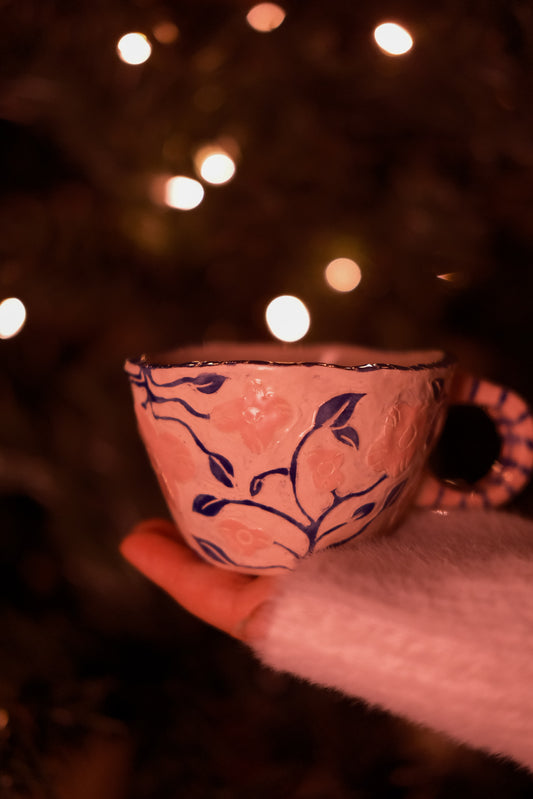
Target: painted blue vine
[[335, 414]]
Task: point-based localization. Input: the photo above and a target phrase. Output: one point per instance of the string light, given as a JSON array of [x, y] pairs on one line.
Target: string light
[[265, 17], [183, 193], [343, 274], [134, 48], [214, 165], [287, 318], [393, 39], [12, 317]]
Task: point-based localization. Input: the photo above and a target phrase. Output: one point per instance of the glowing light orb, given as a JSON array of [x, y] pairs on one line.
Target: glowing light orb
[[265, 17], [214, 166], [343, 274], [134, 48], [183, 193], [12, 317], [287, 318], [166, 32], [393, 39]]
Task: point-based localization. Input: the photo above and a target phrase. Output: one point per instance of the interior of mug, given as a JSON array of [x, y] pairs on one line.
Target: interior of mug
[[342, 355]]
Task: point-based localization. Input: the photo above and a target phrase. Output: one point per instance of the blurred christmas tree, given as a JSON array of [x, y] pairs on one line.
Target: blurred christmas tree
[[416, 166]]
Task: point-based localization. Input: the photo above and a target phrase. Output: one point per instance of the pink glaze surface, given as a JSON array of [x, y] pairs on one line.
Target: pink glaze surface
[[268, 453]]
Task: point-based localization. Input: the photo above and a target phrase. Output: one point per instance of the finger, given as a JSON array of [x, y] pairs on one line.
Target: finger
[[222, 598], [160, 526]]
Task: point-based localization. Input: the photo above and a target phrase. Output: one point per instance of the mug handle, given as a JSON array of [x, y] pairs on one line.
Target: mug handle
[[513, 468]]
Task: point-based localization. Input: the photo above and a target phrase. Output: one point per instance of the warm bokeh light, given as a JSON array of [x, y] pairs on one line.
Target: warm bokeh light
[[183, 193], [393, 39], [134, 48], [265, 17], [214, 165], [12, 317], [343, 274], [287, 318], [166, 32], [458, 278]]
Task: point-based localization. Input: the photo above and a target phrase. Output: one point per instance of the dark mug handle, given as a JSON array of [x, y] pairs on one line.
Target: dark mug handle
[[512, 469]]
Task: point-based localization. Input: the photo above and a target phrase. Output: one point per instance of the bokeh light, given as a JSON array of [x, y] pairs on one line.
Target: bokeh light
[[265, 17], [214, 165], [449, 276], [343, 274], [166, 32], [183, 193], [287, 318], [134, 48], [12, 317], [393, 39]]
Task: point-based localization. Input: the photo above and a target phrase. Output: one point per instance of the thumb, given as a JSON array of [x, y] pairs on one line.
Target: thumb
[[224, 599]]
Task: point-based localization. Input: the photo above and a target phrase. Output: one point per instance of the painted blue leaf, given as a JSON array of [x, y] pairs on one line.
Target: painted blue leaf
[[222, 469], [212, 551], [208, 505], [394, 494], [337, 411], [348, 436], [364, 510], [208, 383], [255, 486]]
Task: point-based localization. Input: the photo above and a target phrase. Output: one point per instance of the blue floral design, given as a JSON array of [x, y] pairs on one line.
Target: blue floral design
[[335, 415]]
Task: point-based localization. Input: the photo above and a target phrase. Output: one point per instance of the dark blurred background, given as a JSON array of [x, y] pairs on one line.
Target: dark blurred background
[[418, 167]]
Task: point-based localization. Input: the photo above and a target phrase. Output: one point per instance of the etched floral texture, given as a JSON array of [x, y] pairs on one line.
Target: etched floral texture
[[403, 436], [315, 497], [171, 457], [241, 538], [325, 467], [259, 416]]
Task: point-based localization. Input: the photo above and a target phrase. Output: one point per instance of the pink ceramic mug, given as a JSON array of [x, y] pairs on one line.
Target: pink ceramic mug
[[268, 452]]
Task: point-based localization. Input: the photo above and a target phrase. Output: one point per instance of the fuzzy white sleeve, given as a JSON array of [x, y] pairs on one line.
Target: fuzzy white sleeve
[[433, 622]]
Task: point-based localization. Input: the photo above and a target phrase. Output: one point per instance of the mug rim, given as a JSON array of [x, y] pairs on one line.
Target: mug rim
[[442, 360]]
